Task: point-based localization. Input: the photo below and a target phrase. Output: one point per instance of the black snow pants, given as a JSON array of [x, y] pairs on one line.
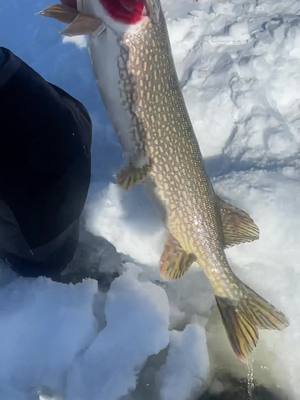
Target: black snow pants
[[45, 139]]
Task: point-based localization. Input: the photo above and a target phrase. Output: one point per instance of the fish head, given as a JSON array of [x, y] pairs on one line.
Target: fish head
[[86, 16]]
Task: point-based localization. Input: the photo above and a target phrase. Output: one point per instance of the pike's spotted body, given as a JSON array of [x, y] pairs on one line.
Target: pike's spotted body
[[162, 129], [138, 82]]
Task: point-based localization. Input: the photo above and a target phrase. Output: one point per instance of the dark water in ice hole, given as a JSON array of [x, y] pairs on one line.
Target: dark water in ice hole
[[237, 390]]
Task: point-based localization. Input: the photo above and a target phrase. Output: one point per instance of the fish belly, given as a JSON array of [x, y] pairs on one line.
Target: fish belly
[[105, 56]]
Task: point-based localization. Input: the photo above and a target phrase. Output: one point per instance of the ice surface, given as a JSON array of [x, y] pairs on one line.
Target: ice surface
[[186, 368], [137, 321], [114, 211], [44, 325], [271, 264], [238, 63]]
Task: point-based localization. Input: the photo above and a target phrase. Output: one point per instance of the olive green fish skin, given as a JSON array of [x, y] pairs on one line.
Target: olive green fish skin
[[163, 132]]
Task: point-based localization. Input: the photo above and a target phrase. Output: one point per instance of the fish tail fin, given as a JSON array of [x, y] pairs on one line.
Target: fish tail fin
[[242, 318]]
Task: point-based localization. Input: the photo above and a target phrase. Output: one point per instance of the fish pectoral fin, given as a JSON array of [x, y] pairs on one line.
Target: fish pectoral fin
[[238, 226], [131, 175], [83, 25], [79, 24], [174, 261], [60, 12]]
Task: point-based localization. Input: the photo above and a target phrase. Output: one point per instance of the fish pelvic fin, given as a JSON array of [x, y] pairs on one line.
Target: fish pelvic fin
[[131, 175], [174, 261], [238, 226], [244, 317]]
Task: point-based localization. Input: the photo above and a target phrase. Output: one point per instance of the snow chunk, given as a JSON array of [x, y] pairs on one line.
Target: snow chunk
[[79, 41], [137, 317], [187, 366], [130, 221], [43, 327]]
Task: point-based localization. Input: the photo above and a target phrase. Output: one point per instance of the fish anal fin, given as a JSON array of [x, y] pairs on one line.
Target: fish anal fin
[[243, 318], [60, 12], [238, 226], [83, 25], [131, 175], [174, 261]]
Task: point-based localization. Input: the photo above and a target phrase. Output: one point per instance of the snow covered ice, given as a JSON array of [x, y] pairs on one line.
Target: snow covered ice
[[107, 369], [238, 62]]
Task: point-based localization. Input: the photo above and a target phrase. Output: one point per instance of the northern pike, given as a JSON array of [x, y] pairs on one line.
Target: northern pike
[[135, 72]]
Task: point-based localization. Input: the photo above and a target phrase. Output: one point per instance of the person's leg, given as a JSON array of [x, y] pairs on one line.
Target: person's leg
[[45, 166], [49, 260], [2, 58]]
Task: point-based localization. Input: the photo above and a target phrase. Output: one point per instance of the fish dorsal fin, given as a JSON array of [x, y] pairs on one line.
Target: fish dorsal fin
[[61, 13], [83, 25], [238, 226], [174, 261]]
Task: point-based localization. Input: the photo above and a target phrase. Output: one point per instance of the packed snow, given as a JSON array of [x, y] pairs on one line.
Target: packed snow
[[182, 373], [238, 62]]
